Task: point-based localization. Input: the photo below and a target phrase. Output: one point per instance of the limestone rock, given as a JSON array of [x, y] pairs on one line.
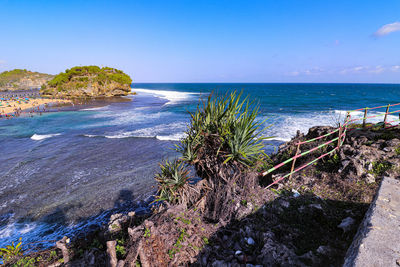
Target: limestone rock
[[346, 224]]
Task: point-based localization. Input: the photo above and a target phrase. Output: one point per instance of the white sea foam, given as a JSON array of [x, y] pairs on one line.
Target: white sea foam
[[129, 117], [97, 108], [172, 137], [27, 228], [172, 96], [90, 135], [285, 126], [39, 137], [281, 139], [165, 132]]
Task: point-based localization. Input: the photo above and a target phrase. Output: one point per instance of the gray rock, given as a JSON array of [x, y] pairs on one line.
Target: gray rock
[[204, 260], [295, 193], [238, 252], [284, 203], [324, 250], [346, 224], [237, 247], [370, 178], [387, 149], [116, 221], [370, 167], [311, 256], [316, 206], [344, 165], [220, 263], [248, 231], [251, 241]]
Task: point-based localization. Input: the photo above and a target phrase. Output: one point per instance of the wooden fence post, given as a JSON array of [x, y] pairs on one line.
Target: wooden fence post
[[347, 121], [340, 136], [365, 117], [294, 160], [384, 121]]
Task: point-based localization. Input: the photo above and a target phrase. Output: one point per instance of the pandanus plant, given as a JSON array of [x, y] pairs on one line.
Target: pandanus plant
[[233, 122], [223, 143], [172, 181]]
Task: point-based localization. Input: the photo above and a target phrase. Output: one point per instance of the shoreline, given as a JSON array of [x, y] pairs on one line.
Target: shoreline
[[16, 107]]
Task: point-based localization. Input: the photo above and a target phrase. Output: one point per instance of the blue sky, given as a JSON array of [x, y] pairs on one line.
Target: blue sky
[[207, 41]]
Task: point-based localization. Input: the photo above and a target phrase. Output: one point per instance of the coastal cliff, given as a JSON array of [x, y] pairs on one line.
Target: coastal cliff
[[88, 82], [22, 79]]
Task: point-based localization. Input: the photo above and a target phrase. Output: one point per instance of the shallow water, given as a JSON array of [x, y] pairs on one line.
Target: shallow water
[[62, 172]]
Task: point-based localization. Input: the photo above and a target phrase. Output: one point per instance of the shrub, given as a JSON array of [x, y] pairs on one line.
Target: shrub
[[397, 150], [11, 252], [379, 168], [172, 179], [232, 124], [224, 145]]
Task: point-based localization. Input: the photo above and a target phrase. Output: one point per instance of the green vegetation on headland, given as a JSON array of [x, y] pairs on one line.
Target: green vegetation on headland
[[88, 81], [22, 79]]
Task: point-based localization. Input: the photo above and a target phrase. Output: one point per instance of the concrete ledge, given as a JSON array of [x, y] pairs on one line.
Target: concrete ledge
[[377, 242]]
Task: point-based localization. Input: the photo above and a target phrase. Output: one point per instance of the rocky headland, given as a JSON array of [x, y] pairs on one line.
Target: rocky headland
[[22, 79], [88, 82]]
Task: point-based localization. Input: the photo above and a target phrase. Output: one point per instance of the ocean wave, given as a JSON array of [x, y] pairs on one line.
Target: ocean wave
[[172, 96], [280, 139], [126, 117], [97, 108], [172, 137], [91, 135], [165, 132], [39, 137], [285, 126], [344, 112]]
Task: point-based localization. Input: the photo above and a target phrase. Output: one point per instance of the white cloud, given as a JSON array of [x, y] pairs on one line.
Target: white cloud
[[387, 29], [377, 70], [312, 71], [356, 69], [346, 71], [395, 68], [372, 70]]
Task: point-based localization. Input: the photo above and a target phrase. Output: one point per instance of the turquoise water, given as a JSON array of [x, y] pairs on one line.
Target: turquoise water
[[63, 172]]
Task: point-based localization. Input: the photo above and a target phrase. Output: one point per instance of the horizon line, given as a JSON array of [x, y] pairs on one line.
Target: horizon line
[[391, 83]]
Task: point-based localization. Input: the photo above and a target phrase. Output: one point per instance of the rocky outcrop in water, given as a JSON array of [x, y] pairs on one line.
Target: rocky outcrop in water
[[19, 79], [88, 82]]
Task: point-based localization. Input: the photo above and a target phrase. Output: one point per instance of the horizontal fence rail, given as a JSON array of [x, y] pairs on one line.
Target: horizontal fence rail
[[341, 136]]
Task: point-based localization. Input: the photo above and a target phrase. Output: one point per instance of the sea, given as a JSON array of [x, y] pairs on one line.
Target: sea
[[65, 171]]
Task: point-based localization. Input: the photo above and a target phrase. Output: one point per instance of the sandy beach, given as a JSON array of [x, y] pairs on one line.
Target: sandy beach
[[11, 106]]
